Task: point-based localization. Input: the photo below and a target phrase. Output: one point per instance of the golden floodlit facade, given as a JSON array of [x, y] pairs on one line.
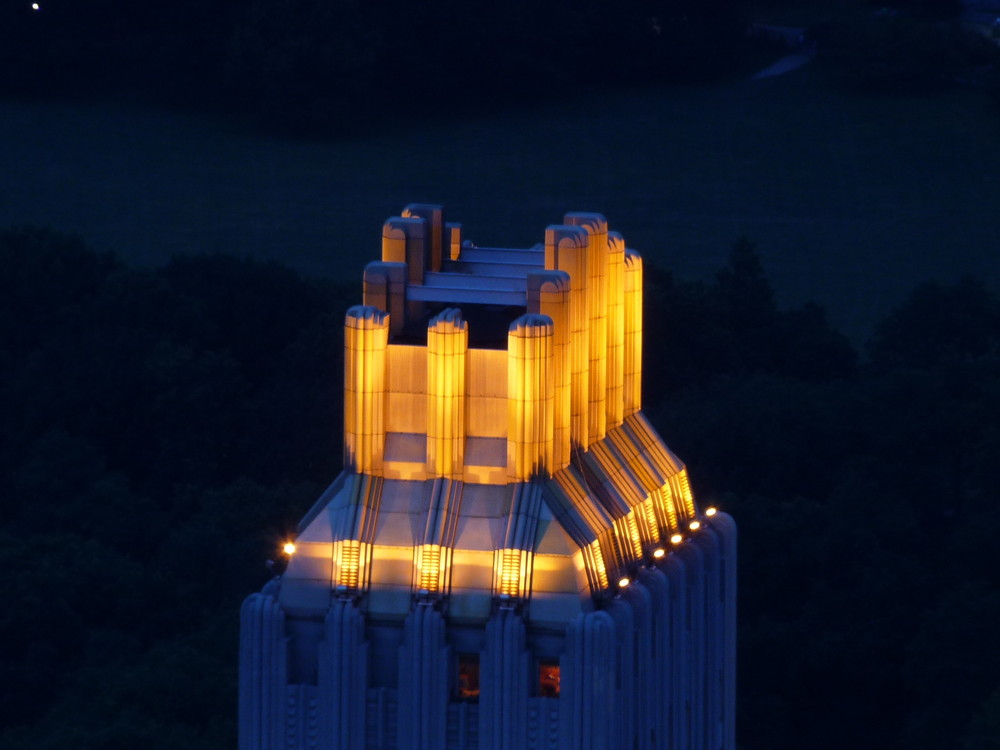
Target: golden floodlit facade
[[511, 559]]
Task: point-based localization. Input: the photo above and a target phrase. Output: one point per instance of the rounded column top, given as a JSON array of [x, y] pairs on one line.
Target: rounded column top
[[532, 325], [366, 316]]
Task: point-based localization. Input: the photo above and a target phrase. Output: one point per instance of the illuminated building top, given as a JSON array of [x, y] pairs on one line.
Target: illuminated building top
[[494, 443], [508, 530]]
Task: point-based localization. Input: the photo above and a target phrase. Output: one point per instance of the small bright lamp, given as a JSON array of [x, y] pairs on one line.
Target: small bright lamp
[[659, 552], [288, 548], [709, 512], [694, 525], [676, 539], [623, 582]]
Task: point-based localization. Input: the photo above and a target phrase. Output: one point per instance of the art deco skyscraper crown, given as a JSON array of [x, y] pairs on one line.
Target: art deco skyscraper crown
[[511, 558]]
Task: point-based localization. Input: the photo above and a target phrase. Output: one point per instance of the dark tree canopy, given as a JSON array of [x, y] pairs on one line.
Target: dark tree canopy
[[163, 430], [302, 62]]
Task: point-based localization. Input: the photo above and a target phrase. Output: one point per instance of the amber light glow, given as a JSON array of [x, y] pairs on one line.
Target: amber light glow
[[599, 567], [659, 552], [694, 525], [676, 539], [512, 565], [633, 532], [428, 563], [711, 512], [530, 397], [468, 677], [366, 336], [548, 679], [686, 496], [347, 563], [623, 582], [447, 344], [288, 548]]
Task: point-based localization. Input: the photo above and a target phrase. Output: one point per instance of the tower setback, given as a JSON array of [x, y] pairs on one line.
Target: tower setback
[[511, 557]]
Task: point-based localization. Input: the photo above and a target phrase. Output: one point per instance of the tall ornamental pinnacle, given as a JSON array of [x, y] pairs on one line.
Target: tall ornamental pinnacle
[[511, 558]]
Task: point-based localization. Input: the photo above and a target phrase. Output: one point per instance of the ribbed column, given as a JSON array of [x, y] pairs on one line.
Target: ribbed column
[[725, 527], [404, 241], [714, 637], [596, 560], [447, 345], [433, 556], [529, 397], [352, 529], [647, 706], [711, 559], [632, 356], [453, 240], [697, 580], [423, 681], [597, 311], [366, 337], [666, 510], [588, 709], [263, 674], [657, 668], [683, 496], [503, 675], [342, 678], [514, 560], [652, 523], [549, 294], [616, 330], [626, 634], [433, 215], [385, 289], [566, 249], [679, 650]]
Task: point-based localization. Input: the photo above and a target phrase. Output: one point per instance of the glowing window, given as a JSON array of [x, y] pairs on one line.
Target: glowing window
[[467, 687], [510, 572], [428, 562], [548, 678], [347, 563]]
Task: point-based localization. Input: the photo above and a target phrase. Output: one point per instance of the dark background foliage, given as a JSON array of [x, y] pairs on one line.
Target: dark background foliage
[[311, 66], [303, 61], [163, 430]]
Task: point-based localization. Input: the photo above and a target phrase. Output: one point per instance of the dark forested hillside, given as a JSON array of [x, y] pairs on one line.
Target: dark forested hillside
[[304, 62], [163, 429]]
